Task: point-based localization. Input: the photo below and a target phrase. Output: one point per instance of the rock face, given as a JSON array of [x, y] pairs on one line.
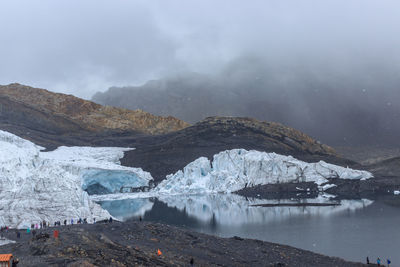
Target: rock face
[[165, 154], [386, 168], [32, 109]]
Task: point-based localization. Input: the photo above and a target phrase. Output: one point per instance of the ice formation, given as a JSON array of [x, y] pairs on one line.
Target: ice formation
[[100, 166], [232, 170], [36, 186]]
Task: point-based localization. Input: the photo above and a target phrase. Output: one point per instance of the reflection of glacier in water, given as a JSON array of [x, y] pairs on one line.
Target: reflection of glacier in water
[[229, 209], [127, 208]]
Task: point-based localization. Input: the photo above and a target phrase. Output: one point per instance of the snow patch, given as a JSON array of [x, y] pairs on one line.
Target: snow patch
[[327, 186], [4, 241]]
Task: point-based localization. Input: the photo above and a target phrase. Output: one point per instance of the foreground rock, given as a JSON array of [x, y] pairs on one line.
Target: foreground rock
[[136, 243]]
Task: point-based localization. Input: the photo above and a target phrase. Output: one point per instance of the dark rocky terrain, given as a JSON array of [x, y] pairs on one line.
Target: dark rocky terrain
[[136, 244]]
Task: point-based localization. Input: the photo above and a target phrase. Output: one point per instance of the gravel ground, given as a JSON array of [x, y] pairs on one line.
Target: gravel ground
[[136, 243]]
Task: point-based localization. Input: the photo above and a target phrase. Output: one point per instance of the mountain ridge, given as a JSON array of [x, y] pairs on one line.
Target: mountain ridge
[[35, 109]]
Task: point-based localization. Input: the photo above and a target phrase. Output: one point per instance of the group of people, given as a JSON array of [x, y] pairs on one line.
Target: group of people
[[45, 224], [40, 225], [378, 261]]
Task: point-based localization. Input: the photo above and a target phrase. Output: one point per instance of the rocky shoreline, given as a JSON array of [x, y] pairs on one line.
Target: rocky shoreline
[[135, 243]]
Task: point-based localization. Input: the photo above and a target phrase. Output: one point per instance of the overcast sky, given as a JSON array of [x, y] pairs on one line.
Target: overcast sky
[[84, 46]]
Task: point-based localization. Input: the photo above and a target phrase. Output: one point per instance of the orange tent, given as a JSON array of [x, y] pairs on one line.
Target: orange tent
[[6, 260], [159, 253]]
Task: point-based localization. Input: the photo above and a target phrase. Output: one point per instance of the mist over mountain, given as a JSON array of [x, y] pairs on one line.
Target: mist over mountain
[[337, 103]]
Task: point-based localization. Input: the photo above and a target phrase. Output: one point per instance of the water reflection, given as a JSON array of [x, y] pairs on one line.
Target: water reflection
[[223, 209], [231, 209], [127, 208]]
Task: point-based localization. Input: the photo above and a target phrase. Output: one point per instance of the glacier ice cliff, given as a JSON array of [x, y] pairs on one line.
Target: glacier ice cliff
[[232, 170], [36, 186]]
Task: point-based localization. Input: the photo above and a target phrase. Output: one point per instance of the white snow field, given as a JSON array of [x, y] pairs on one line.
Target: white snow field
[[36, 186], [232, 170]]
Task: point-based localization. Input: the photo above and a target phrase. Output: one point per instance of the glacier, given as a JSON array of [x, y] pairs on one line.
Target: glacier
[[235, 169], [99, 166], [37, 185]]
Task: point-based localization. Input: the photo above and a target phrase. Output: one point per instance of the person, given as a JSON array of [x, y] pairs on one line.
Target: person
[[18, 235], [65, 222], [378, 261], [110, 220], [388, 262], [72, 221], [367, 260], [15, 262]]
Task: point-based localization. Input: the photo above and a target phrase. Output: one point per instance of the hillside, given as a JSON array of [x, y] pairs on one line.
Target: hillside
[[38, 114], [340, 111], [168, 153]]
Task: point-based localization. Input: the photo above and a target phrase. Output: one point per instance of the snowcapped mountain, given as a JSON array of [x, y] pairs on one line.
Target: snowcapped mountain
[[232, 170], [36, 186]]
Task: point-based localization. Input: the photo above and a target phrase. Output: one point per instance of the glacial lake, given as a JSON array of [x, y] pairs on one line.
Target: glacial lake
[[352, 230]]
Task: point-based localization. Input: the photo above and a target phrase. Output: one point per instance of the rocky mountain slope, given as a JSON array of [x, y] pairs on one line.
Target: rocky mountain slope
[[387, 167], [339, 110], [165, 154], [38, 114]]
